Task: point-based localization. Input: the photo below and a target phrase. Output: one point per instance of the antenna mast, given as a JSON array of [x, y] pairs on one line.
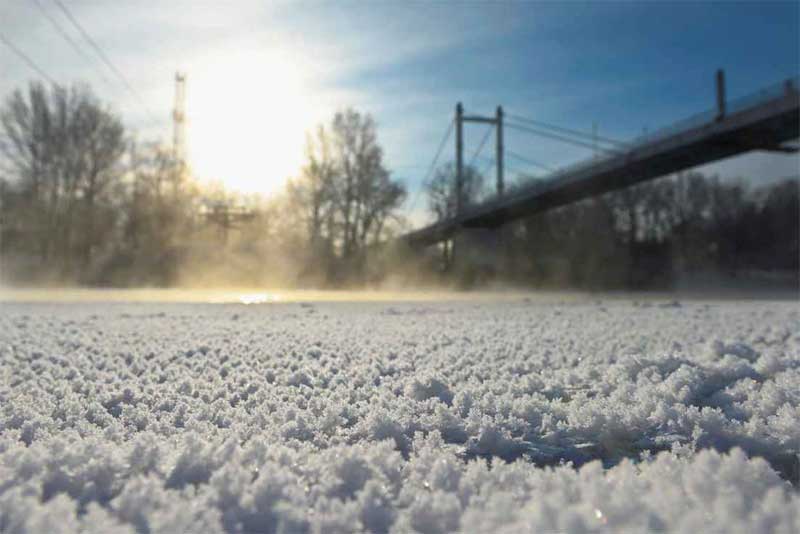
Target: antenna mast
[[179, 120]]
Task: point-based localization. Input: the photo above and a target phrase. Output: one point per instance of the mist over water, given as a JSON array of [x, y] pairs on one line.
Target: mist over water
[[260, 296], [253, 296]]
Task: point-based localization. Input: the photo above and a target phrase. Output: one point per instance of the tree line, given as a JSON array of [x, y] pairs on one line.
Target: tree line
[[81, 202], [651, 235]]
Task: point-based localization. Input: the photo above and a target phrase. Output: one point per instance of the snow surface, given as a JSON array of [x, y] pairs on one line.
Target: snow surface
[[508, 416]]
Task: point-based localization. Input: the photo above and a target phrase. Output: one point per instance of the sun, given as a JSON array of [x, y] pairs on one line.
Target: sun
[[247, 116]]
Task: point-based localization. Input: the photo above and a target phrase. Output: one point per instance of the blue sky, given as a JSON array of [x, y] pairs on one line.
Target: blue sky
[[262, 73]]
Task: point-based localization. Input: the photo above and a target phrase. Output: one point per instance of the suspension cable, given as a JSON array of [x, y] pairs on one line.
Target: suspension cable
[[481, 145], [428, 174], [533, 131], [568, 131], [529, 161]]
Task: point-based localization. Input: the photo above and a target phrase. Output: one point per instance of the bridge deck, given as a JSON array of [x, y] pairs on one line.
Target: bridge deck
[[762, 122]]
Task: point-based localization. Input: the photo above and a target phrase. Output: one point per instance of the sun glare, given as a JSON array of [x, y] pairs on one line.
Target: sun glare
[[248, 113]]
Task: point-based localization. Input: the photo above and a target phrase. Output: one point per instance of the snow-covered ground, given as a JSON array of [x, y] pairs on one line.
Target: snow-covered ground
[[513, 415]]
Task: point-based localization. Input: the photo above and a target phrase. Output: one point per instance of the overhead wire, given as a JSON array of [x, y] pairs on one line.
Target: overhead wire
[[103, 57], [68, 38], [25, 58]]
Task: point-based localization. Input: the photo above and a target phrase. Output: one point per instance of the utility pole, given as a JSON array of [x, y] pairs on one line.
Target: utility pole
[[179, 121], [499, 150], [227, 218]]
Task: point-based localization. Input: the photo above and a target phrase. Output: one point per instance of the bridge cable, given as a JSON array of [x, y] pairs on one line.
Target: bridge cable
[[432, 166], [560, 138], [490, 162], [489, 165], [104, 58], [24, 57], [521, 172], [529, 161], [481, 145], [522, 177], [568, 131]]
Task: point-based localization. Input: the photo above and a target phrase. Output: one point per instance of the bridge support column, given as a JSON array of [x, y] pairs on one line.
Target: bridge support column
[[459, 157], [459, 172], [720, 94], [499, 150]]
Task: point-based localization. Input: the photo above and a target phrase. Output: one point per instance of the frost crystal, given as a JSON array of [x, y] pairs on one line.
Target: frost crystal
[[455, 416]]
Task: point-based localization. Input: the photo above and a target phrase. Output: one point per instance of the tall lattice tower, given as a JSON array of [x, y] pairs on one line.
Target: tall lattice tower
[[179, 120]]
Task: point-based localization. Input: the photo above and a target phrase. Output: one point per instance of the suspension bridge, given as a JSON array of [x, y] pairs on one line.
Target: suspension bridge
[[763, 121]]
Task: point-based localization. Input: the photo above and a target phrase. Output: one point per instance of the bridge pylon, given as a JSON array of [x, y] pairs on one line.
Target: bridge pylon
[[497, 122]]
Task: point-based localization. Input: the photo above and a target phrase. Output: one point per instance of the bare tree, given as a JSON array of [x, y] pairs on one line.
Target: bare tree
[[98, 143], [442, 193], [160, 212], [62, 151], [345, 194], [312, 195], [363, 191]]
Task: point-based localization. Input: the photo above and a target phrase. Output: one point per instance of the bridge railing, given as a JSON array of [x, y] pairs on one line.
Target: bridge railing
[[772, 92], [765, 94]]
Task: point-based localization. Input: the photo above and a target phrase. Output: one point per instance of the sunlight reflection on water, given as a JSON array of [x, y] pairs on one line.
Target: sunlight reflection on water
[[263, 296], [253, 296], [258, 298]]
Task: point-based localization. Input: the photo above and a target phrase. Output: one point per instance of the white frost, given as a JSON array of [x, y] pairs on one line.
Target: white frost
[[426, 417]]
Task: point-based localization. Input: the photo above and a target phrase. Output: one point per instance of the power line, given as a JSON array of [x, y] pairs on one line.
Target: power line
[[103, 56], [482, 143], [433, 164], [558, 137], [27, 59], [568, 131], [67, 37]]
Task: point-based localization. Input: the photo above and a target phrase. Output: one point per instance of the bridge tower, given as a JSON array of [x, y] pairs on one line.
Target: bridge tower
[[459, 157], [497, 121], [720, 94], [179, 120]]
